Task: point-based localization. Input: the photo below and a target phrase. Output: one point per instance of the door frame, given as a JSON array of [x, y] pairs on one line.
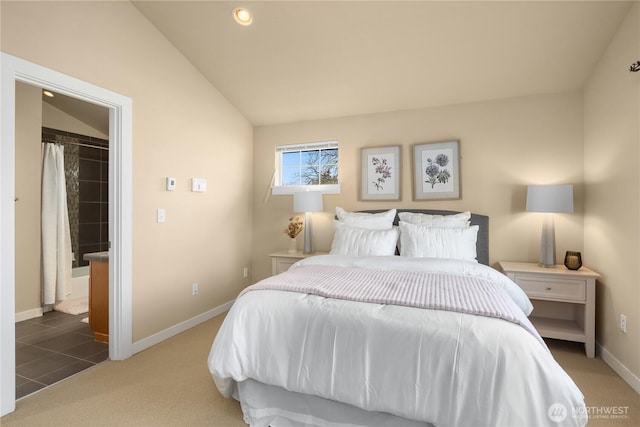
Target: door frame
[[12, 70]]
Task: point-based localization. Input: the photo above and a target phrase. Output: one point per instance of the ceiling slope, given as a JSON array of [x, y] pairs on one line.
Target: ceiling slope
[[305, 60]]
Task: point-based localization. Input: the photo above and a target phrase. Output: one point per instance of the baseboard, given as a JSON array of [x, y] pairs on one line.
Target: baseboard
[[154, 339], [619, 368], [29, 314]]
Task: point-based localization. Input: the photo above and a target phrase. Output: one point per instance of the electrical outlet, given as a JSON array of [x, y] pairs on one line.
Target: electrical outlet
[[245, 272], [194, 289], [623, 323]]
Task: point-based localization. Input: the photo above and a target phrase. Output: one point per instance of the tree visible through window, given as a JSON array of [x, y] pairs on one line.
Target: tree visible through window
[[309, 164]]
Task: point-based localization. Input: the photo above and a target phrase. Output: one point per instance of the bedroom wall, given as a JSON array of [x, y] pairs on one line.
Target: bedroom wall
[[612, 196], [28, 160], [505, 145], [182, 127]]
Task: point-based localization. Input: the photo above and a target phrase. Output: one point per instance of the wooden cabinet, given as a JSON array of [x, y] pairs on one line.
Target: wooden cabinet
[[99, 295], [564, 300]]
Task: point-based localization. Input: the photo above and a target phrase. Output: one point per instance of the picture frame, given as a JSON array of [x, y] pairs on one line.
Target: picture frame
[[436, 171], [381, 176]]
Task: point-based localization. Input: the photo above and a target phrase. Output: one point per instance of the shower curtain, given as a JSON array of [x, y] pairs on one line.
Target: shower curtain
[[56, 237]]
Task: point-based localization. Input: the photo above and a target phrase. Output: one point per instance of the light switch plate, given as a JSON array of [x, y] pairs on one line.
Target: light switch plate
[[198, 185]]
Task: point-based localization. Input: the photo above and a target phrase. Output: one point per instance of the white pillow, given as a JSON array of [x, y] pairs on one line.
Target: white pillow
[[445, 221], [356, 241], [438, 242], [376, 221]]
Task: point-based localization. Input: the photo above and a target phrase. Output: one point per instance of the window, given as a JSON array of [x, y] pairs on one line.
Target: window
[[299, 166]]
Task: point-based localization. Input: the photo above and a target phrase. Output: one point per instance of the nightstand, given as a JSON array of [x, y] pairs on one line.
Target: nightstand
[[281, 261], [564, 300]]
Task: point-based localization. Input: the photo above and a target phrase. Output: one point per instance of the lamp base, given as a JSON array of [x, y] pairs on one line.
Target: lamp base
[[308, 232], [548, 243], [547, 266]]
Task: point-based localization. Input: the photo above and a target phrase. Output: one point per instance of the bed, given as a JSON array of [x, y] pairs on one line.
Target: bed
[[402, 324]]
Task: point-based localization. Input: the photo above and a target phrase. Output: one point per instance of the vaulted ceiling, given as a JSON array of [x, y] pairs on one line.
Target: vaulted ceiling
[[305, 60]]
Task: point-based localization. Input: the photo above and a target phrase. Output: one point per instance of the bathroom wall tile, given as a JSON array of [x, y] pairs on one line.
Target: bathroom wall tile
[[90, 153], [104, 232], [104, 170], [89, 233], [90, 212], [104, 212], [104, 192], [90, 191], [89, 170]]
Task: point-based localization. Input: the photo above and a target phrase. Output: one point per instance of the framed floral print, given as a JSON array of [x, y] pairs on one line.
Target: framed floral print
[[381, 174], [436, 171]]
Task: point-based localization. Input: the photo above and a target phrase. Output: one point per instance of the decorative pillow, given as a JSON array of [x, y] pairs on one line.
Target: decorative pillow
[[445, 221], [438, 242], [377, 221], [356, 241]]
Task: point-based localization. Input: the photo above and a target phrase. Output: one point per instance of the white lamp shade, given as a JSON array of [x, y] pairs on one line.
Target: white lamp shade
[[307, 201], [550, 198]]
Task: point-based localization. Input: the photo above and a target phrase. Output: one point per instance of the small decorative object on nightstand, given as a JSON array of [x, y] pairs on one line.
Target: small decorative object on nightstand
[[563, 300], [573, 260], [293, 229]]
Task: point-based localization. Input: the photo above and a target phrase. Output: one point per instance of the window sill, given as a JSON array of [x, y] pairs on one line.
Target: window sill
[[290, 189]]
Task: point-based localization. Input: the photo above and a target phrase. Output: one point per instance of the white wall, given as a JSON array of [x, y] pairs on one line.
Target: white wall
[[612, 195]]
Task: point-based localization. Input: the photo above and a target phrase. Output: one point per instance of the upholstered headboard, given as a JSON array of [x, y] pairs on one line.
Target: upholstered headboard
[[482, 221]]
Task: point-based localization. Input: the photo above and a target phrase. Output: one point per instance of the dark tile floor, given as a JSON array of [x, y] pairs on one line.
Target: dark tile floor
[[53, 347]]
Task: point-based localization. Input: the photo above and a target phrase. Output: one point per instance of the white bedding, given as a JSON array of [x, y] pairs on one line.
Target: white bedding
[[440, 367]]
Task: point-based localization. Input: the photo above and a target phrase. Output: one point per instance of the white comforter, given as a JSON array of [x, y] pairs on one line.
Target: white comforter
[[446, 368]]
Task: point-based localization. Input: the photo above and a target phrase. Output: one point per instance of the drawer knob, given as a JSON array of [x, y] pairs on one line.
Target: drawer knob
[[548, 288]]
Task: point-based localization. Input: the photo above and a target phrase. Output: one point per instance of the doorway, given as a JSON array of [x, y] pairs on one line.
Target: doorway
[[120, 211], [54, 338]]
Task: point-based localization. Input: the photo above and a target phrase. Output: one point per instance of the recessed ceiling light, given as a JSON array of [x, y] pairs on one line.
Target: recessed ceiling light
[[47, 93], [242, 16]]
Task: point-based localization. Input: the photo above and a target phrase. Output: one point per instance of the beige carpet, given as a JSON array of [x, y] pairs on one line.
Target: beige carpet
[[603, 389], [169, 385]]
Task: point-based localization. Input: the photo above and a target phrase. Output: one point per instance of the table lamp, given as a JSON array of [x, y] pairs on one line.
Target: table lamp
[[307, 202], [549, 199]]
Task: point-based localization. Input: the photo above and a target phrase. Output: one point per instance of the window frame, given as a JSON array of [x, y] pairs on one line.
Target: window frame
[[278, 189]]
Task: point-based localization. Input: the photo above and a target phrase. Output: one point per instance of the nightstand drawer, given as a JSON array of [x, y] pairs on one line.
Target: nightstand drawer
[[283, 264], [281, 261], [552, 289]]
